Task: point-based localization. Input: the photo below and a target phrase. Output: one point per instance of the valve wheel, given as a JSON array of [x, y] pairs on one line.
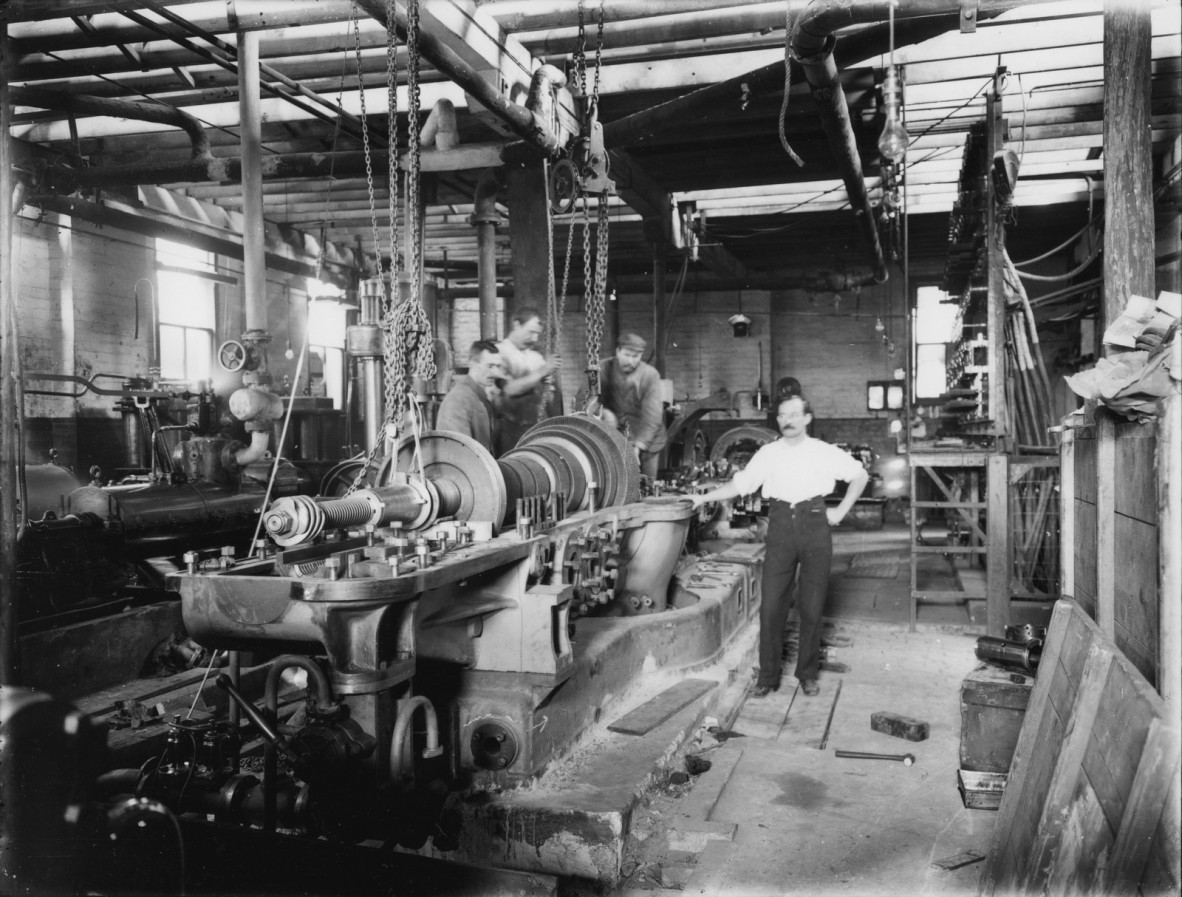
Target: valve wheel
[[232, 356]]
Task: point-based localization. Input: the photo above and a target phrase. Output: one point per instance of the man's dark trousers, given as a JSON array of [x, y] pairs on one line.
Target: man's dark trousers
[[797, 535]]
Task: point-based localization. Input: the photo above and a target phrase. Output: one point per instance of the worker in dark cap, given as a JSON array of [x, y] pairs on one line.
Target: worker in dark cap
[[631, 390]]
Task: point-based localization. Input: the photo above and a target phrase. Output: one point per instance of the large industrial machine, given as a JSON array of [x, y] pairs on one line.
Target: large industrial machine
[[458, 623]]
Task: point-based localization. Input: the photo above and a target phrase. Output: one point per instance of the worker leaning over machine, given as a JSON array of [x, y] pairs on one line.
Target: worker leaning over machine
[[522, 388], [796, 473], [467, 408], [631, 390]]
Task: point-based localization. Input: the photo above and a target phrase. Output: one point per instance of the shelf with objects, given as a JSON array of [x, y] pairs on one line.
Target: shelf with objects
[[985, 490]]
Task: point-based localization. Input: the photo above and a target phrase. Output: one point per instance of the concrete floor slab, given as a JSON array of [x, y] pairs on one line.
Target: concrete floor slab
[[808, 822]]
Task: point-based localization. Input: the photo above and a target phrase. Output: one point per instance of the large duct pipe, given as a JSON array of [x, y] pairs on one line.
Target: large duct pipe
[[153, 112], [486, 219]]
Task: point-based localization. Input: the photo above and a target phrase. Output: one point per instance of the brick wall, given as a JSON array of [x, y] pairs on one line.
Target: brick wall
[[76, 294]]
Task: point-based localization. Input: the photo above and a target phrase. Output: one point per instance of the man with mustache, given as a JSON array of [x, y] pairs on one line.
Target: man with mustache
[[796, 472]]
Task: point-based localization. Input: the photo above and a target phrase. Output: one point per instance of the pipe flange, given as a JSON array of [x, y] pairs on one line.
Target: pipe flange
[[370, 682], [494, 745], [817, 55]]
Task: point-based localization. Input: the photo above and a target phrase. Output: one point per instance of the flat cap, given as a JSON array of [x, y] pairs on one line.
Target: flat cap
[[631, 341]]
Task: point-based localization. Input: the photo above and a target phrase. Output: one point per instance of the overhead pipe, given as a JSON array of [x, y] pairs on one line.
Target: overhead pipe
[[486, 218], [812, 46], [116, 108], [814, 53], [856, 48], [531, 127]]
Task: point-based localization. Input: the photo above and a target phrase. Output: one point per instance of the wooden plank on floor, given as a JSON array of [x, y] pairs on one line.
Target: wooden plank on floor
[[655, 711], [764, 717]]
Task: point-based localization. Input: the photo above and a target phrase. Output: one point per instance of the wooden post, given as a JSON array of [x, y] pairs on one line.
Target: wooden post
[[998, 567], [1169, 534], [1128, 159], [995, 317], [1106, 523], [1067, 514]]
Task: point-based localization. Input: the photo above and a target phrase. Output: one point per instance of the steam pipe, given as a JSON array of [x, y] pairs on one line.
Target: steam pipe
[[324, 698], [811, 44], [486, 219], [402, 731], [115, 108], [9, 636], [260, 441], [520, 120], [440, 127]]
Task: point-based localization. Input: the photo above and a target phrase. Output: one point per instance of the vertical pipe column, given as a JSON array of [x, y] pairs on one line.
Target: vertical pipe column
[[660, 249], [254, 271], [485, 218], [9, 637]]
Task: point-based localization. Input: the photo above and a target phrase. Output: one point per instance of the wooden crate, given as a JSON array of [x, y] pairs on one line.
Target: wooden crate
[[992, 708], [1091, 805], [981, 790]]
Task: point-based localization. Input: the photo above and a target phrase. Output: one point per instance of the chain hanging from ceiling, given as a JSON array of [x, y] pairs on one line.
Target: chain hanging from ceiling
[[407, 338], [594, 272]]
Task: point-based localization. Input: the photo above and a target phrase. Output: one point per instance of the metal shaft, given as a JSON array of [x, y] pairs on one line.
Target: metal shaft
[[905, 759]]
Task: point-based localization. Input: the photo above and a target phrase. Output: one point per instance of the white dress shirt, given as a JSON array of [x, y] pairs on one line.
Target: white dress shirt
[[795, 473]]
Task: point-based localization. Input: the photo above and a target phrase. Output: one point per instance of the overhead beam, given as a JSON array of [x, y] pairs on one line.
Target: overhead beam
[[163, 214], [111, 29], [40, 10]]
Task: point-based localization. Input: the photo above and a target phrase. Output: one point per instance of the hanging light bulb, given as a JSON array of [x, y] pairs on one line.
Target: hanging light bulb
[[879, 327], [893, 141]]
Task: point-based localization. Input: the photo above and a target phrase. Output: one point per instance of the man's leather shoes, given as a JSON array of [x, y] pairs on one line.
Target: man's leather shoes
[[762, 691], [810, 687]]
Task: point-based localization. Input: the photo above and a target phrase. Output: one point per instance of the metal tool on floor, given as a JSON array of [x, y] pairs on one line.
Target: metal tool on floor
[[905, 759]]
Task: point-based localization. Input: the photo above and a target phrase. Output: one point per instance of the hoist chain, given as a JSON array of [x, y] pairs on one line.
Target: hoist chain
[[594, 280], [407, 339], [552, 326], [373, 211]]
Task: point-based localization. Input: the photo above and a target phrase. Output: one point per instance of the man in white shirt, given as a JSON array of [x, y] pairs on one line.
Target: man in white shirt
[[526, 370], [796, 472]]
